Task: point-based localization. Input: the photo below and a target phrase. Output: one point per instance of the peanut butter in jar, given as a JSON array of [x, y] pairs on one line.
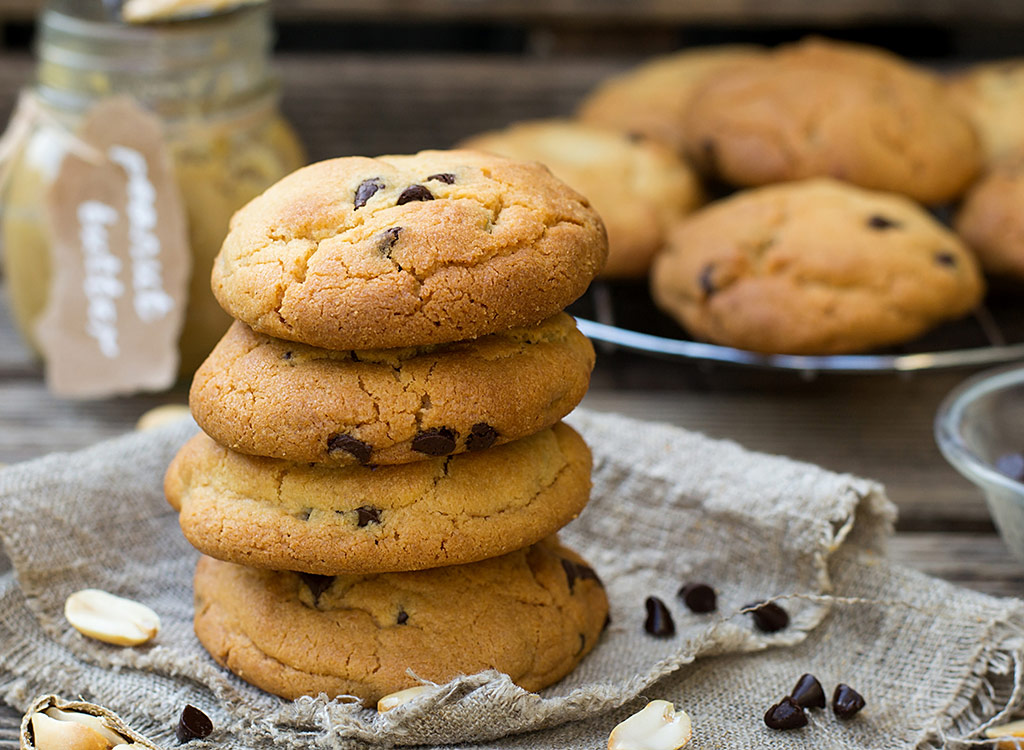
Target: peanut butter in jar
[[207, 83]]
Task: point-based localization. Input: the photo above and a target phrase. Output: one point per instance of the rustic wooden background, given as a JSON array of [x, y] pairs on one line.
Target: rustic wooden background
[[374, 76]]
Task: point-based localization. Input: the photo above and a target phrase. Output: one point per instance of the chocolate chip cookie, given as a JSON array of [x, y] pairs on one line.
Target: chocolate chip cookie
[[651, 100], [533, 614], [269, 513], [639, 187], [814, 267], [270, 397], [992, 97], [991, 220], [358, 253], [821, 108]]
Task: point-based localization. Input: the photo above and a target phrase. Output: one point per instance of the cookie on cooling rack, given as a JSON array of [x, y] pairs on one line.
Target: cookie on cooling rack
[[814, 267]]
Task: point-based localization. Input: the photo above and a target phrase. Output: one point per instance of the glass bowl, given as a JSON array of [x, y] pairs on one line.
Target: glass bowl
[[979, 424]]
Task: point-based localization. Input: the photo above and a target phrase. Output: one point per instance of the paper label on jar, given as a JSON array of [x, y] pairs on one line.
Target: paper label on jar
[[120, 259]]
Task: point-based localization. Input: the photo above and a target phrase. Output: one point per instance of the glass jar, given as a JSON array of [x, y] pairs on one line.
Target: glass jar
[[209, 82]]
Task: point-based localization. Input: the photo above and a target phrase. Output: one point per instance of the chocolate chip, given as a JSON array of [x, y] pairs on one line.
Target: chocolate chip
[[414, 193], [446, 177], [785, 714], [340, 442], [808, 692], [193, 724], [698, 597], [1012, 465], [481, 436], [304, 514], [707, 283], [402, 618], [367, 515], [659, 620], [286, 355], [945, 259], [578, 571], [366, 190], [317, 584], [846, 701], [437, 441], [880, 222], [768, 616], [387, 240]]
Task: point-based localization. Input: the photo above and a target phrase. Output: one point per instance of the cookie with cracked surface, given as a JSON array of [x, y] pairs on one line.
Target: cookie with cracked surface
[[651, 100], [992, 97], [532, 614], [991, 220], [269, 513], [825, 109], [639, 187], [270, 397], [440, 246], [814, 267]]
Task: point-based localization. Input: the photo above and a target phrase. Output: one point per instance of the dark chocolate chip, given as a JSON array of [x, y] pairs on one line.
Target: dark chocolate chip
[[481, 436], [1012, 465], [707, 283], [437, 441], [768, 616], [698, 597], [387, 240], [357, 448], [193, 724], [402, 618], [366, 190], [286, 355], [578, 571], [659, 620], [446, 177], [945, 259], [846, 701], [808, 692], [367, 515], [317, 584], [785, 714], [414, 193], [881, 222]]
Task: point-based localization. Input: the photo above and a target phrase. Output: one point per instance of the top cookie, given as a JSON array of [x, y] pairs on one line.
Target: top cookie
[[640, 188], [358, 253], [651, 100], [814, 267], [819, 108], [992, 97]]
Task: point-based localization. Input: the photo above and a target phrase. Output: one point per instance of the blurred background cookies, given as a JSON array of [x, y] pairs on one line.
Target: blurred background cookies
[[638, 186]]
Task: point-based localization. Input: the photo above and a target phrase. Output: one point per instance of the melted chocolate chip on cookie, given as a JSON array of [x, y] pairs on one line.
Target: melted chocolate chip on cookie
[[446, 177], [707, 283], [367, 515], [339, 442], [316, 584], [881, 222], [414, 193], [366, 190], [403, 617], [577, 571], [438, 441], [481, 436], [387, 240]]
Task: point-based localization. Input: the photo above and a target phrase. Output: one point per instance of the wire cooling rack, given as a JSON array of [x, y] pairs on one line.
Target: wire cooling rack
[[622, 315]]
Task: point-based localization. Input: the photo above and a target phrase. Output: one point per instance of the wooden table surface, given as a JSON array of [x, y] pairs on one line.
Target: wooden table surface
[[876, 426]]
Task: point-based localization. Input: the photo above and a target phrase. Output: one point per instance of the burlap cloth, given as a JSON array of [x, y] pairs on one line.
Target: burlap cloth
[[934, 662]]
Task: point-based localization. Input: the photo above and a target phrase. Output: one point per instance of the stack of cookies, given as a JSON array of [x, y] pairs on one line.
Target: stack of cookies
[[383, 469]]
